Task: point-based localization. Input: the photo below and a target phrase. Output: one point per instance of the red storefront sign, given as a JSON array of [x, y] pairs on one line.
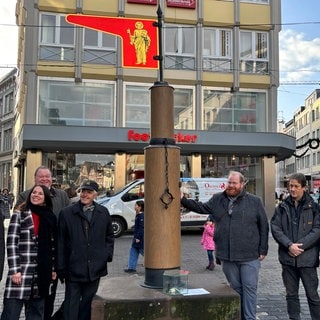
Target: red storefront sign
[[139, 37], [143, 1], [190, 4], [145, 137]]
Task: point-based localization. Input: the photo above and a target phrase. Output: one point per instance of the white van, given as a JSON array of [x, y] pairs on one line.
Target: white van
[[121, 204]]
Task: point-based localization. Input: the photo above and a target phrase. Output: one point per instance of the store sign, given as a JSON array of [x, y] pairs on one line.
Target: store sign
[[145, 137], [143, 1], [190, 4], [139, 37]]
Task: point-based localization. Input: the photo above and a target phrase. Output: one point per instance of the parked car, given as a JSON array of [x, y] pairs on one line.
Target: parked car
[[121, 204]]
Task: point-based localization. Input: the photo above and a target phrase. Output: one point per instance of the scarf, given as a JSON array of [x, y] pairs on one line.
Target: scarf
[[46, 242]]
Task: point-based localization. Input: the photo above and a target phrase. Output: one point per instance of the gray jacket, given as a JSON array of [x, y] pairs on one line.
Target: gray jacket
[[241, 235], [308, 232]]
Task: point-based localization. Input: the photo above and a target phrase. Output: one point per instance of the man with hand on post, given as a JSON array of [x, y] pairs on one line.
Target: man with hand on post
[[241, 237], [295, 226], [85, 246]]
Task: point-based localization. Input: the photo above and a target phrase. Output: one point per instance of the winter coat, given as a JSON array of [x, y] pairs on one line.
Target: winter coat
[[84, 247], [2, 248], [207, 241], [138, 231], [22, 255], [239, 236], [5, 205], [308, 232]]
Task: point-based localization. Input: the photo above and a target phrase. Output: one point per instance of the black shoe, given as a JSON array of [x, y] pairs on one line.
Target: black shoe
[[130, 270]]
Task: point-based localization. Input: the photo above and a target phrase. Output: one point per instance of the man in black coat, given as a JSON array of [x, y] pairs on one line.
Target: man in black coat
[[85, 245]]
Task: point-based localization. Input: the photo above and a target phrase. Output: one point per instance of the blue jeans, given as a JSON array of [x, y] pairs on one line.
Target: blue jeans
[[34, 309], [243, 278], [291, 277], [210, 256], [133, 257]]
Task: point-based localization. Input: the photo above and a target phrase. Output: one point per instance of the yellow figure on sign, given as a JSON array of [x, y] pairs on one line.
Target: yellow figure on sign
[[141, 42]]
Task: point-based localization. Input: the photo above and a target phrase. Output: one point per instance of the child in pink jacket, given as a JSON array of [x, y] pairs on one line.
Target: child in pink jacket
[[207, 241]]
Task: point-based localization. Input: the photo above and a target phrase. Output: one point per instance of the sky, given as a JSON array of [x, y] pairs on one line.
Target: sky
[[299, 51]]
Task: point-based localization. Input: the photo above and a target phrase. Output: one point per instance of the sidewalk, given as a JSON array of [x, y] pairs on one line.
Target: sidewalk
[[271, 295]]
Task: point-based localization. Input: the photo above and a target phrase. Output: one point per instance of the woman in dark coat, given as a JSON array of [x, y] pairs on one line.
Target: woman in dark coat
[[31, 244]]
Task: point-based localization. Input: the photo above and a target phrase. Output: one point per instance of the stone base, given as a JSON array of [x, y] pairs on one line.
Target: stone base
[[126, 298]]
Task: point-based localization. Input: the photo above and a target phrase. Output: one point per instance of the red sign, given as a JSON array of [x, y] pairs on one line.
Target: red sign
[[190, 4], [139, 37], [143, 1], [145, 137]]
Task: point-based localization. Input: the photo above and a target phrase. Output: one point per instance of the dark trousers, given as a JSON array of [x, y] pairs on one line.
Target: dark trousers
[[291, 277], [78, 298], [12, 309]]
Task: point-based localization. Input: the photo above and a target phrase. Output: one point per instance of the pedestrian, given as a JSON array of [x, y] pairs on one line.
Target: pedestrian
[[31, 255], [137, 246], [2, 248], [5, 203], [241, 237], [85, 245], [43, 176], [207, 241], [295, 226]]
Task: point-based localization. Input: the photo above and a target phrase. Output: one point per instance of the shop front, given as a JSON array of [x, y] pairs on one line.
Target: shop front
[[115, 156]]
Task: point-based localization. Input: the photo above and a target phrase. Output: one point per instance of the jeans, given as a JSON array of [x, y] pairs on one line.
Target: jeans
[[78, 298], [133, 257], [243, 278], [34, 309], [291, 277], [210, 256]]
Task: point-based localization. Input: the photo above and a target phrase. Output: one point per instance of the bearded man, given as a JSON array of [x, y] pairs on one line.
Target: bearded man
[[241, 237]]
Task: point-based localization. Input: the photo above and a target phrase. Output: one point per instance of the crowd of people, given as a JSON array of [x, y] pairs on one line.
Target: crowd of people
[[51, 238]]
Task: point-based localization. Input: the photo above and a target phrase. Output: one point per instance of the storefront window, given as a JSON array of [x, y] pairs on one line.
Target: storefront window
[[76, 104], [240, 111], [70, 170], [219, 166]]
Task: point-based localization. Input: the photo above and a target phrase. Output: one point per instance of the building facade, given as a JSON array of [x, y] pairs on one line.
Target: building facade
[[7, 104], [86, 116], [305, 127]]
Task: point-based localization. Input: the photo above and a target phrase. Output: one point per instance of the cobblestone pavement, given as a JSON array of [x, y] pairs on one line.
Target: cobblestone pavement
[[271, 294]]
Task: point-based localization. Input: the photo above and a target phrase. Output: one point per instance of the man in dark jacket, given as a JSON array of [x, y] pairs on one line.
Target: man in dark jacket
[[241, 237], [295, 226], [85, 245]]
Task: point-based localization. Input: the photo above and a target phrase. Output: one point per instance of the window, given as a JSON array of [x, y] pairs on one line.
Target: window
[[180, 47], [56, 38], [254, 52], [7, 140], [8, 105], [137, 106], [99, 47], [217, 50], [257, 1], [183, 108], [85, 104], [241, 111]]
